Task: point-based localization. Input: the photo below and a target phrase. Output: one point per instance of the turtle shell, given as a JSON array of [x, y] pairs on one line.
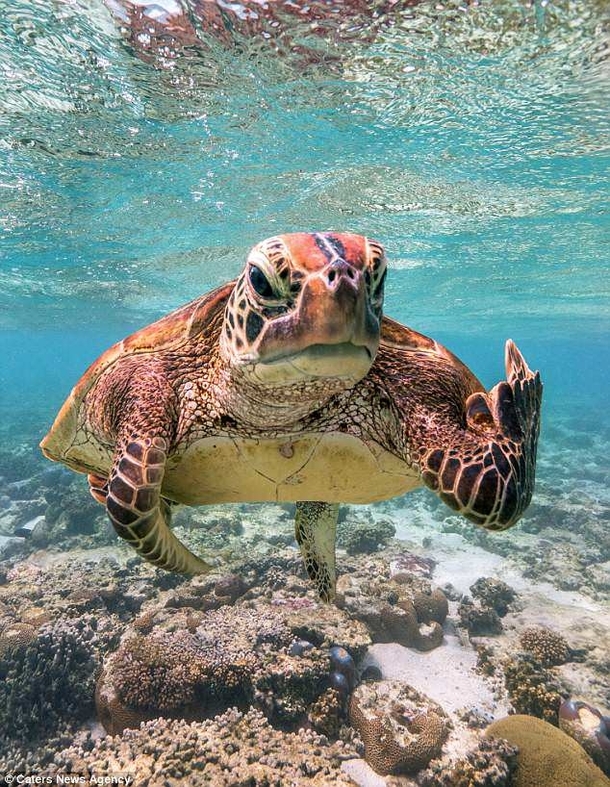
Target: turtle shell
[[170, 332]]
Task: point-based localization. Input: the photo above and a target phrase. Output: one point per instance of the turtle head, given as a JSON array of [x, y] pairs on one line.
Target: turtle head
[[307, 307]]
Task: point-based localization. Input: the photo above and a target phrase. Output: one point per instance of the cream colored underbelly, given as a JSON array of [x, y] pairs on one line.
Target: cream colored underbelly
[[326, 467]]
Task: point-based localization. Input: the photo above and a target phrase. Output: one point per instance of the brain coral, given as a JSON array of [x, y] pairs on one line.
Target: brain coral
[[548, 647], [547, 756], [402, 729]]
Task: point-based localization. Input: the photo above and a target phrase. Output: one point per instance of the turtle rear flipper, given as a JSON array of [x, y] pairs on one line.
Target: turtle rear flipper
[[487, 472], [315, 528], [138, 512]]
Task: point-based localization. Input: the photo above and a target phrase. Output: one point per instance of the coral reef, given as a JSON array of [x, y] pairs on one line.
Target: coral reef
[[47, 680], [480, 615], [325, 625], [588, 727], [364, 537], [545, 645], [232, 656], [532, 689], [479, 621], [409, 612], [493, 593], [547, 756], [491, 764], [14, 637], [232, 750], [407, 565], [326, 713], [402, 729]]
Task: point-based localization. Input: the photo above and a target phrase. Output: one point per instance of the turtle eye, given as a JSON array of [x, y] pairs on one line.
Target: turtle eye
[[259, 282], [378, 288]]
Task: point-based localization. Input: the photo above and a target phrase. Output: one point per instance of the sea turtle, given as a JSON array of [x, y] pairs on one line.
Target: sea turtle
[[289, 385]]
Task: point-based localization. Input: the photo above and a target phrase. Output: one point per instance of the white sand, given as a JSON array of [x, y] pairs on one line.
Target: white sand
[[445, 674]]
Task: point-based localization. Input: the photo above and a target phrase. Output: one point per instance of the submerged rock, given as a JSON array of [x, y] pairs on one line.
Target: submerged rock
[[588, 727], [493, 593], [479, 621]]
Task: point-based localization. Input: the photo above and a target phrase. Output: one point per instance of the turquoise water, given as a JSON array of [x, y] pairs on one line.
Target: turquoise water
[[471, 141], [138, 168]]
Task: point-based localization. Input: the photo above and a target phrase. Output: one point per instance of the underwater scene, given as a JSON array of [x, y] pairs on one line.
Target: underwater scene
[[145, 149]]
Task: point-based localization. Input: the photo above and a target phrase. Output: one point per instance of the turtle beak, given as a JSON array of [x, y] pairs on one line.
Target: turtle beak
[[333, 309]]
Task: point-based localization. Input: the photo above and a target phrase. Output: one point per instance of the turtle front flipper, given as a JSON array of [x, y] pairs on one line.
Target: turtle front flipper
[[138, 512], [98, 487], [487, 471], [315, 528]]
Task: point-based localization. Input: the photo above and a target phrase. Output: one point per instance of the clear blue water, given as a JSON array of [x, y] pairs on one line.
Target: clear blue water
[[472, 141]]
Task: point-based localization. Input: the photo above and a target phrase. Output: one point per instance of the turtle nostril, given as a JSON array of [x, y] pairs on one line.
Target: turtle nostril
[[338, 271]]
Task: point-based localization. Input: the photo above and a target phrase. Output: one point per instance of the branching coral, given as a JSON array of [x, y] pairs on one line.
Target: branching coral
[[235, 656], [162, 672], [491, 764], [548, 647], [47, 682], [532, 689], [232, 750], [326, 712]]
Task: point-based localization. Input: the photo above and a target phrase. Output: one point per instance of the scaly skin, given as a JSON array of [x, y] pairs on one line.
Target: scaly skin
[[297, 346]]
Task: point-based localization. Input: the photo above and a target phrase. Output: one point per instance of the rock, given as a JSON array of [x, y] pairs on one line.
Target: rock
[[493, 593], [479, 621], [34, 529], [11, 546]]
